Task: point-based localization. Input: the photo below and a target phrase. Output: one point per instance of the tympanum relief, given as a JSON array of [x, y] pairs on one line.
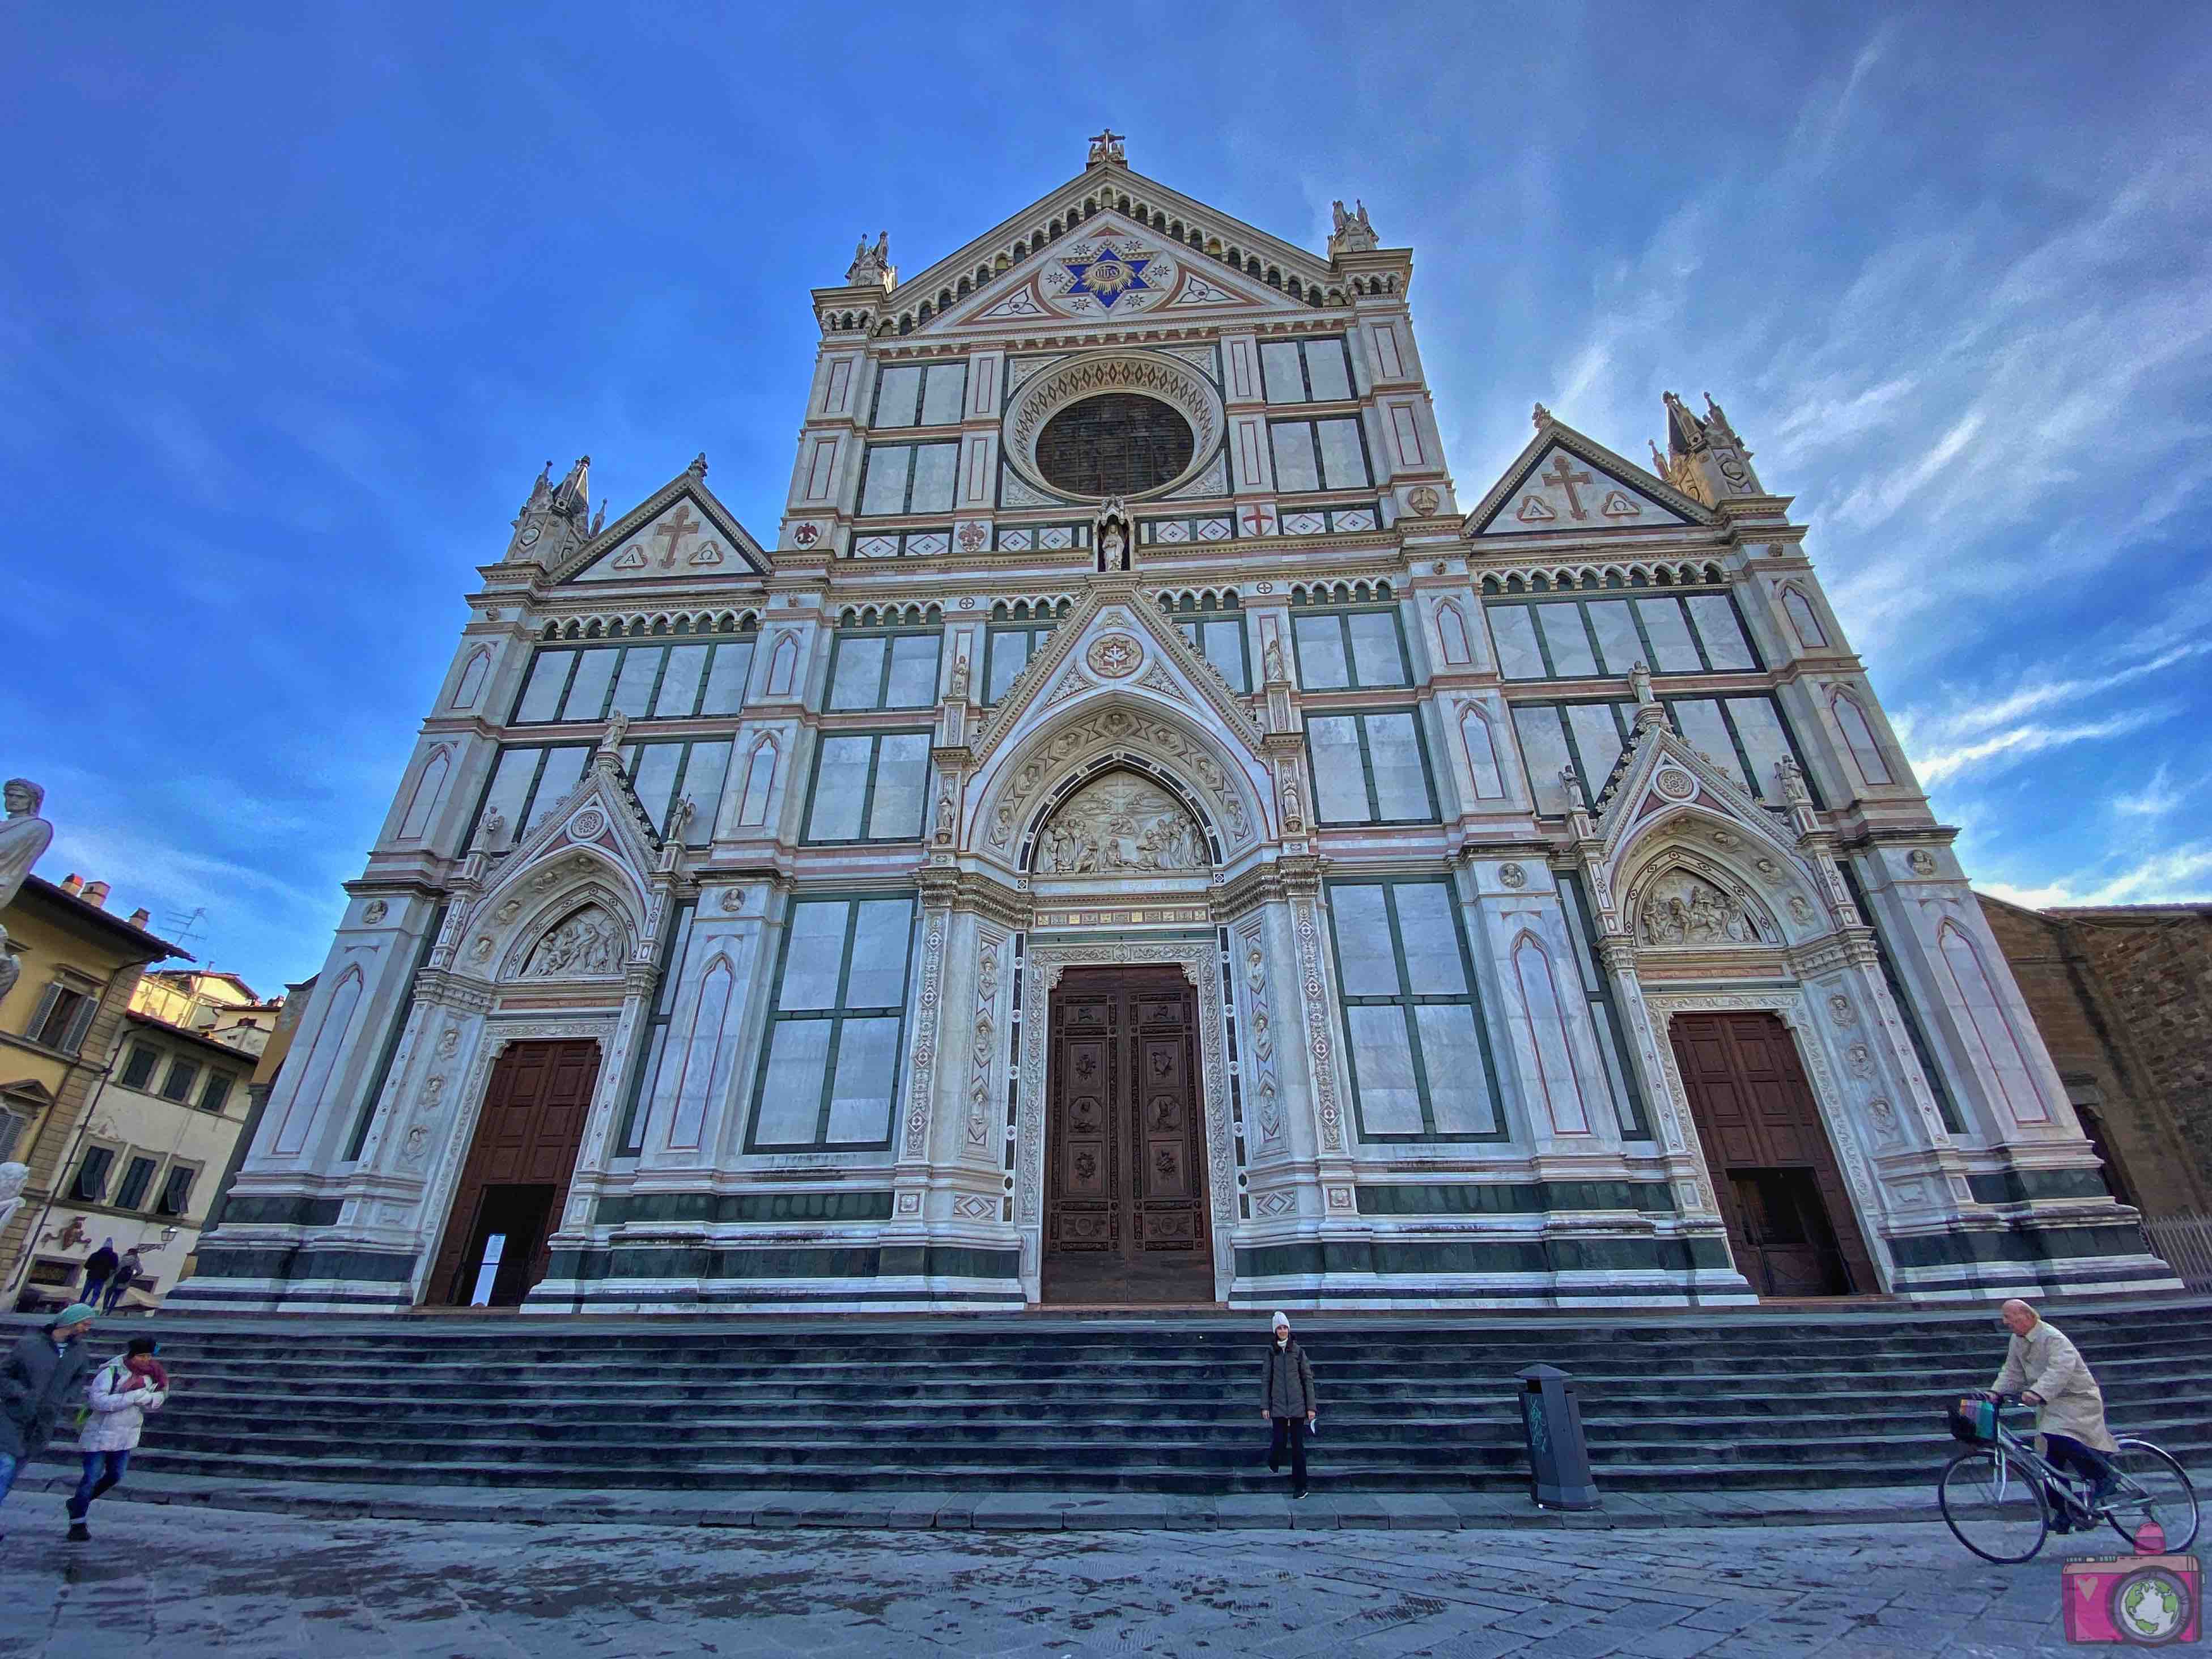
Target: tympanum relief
[[588, 942], [1680, 908], [1120, 825]]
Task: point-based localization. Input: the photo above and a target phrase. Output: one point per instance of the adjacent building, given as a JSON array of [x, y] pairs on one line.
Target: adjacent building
[[220, 1006], [2123, 997], [1135, 832], [77, 968]]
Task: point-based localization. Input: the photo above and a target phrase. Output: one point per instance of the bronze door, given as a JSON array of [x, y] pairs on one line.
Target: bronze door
[[509, 1201], [1789, 1219], [1125, 1143]]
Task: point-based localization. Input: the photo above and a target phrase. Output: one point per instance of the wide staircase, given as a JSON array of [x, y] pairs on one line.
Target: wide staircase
[[1162, 1402]]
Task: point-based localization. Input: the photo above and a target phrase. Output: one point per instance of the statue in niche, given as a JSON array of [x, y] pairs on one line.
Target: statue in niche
[[1120, 825], [1683, 910], [589, 942]]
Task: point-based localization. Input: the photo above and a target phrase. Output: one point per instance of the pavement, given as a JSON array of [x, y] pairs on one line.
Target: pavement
[[1326, 1510], [180, 1582]]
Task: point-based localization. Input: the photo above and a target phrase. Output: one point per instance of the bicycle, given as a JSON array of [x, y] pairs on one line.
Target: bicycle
[[1996, 1494]]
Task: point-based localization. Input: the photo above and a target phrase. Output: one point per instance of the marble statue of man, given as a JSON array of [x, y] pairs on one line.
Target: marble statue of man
[[22, 837], [12, 1178]]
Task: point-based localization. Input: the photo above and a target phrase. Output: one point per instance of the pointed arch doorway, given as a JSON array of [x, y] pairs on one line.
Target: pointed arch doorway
[[1788, 1214]]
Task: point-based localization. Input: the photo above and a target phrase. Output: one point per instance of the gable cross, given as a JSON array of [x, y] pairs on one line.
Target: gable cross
[[683, 524], [1560, 476]]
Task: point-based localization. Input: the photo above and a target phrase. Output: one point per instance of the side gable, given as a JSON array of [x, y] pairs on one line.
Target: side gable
[[1564, 481], [681, 531]]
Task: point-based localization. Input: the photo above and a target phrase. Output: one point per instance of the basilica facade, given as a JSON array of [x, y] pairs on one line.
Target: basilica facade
[[1137, 834]]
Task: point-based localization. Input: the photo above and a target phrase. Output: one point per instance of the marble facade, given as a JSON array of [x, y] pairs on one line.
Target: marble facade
[[1203, 723]]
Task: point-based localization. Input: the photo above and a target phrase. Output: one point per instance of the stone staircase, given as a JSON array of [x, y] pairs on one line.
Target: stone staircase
[[1152, 1403]]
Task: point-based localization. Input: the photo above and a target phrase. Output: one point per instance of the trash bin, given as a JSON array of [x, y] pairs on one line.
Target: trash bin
[[1559, 1459]]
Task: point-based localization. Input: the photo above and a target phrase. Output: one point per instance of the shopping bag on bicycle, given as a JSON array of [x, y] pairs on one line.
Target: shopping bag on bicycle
[[1974, 1421]]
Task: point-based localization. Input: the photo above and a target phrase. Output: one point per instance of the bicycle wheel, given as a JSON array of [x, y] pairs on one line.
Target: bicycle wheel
[[2157, 1488], [1995, 1510]]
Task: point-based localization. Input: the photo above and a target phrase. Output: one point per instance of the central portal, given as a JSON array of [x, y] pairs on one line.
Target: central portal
[[1125, 1196]]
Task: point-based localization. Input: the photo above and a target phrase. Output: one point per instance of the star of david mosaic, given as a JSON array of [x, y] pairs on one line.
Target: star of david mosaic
[[1107, 275]]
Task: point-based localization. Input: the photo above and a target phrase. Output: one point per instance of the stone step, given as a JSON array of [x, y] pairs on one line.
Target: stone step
[[1159, 1403]]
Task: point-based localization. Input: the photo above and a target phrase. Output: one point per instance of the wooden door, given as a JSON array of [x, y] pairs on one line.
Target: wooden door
[[1125, 1142], [516, 1178], [1789, 1218]]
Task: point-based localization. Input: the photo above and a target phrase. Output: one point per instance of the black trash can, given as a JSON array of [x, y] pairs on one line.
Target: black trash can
[[1559, 1459]]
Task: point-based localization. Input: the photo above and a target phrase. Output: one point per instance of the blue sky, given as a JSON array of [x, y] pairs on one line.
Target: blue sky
[[293, 307]]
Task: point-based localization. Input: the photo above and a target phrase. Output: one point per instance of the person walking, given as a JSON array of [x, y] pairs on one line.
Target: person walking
[[42, 1373], [1288, 1402], [123, 1391], [126, 1274], [2046, 1371], [99, 1267]]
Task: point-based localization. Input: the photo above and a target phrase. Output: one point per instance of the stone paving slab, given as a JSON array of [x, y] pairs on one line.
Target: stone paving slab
[[1325, 1510]]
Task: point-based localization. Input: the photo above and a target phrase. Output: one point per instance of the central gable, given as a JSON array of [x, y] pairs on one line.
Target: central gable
[[1111, 268], [1227, 262]]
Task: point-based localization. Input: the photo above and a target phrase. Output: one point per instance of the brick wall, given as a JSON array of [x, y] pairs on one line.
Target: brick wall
[[2123, 1000]]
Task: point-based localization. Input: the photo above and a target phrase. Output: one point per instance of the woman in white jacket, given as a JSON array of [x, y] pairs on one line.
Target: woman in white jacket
[[120, 1394]]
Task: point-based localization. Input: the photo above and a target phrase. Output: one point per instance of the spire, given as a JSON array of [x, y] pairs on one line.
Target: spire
[[572, 498], [872, 265], [1706, 457], [1351, 234]]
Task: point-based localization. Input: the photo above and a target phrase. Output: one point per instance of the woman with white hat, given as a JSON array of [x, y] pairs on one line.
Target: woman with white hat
[[1288, 1402]]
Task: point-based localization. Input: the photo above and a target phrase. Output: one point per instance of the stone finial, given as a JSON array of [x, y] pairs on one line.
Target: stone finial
[[599, 520], [1353, 232], [1658, 461], [572, 498], [1538, 416], [1106, 146], [873, 264], [698, 467]]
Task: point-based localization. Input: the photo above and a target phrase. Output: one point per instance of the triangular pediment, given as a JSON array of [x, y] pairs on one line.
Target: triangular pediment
[[682, 534], [1112, 203], [1658, 774], [1111, 268], [1565, 481], [601, 812], [1114, 639]]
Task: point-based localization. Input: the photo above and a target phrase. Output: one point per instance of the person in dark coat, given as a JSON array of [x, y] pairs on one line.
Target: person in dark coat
[[99, 1267], [43, 1375], [127, 1272], [1288, 1402]]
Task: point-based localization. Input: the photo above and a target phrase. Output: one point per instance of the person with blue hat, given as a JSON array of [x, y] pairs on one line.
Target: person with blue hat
[[43, 1374]]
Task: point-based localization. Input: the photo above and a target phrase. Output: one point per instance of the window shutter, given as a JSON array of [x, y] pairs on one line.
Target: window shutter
[[79, 1022], [46, 1006]]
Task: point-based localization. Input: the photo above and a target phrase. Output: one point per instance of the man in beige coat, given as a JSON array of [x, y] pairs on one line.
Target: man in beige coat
[[2047, 1371]]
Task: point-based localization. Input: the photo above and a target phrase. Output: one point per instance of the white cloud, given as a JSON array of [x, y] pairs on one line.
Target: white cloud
[[2021, 741]]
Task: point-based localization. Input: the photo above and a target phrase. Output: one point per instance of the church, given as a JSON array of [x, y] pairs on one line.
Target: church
[[1136, 834]]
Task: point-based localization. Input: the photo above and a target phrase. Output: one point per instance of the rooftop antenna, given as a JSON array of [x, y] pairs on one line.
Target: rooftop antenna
[[181, 928]]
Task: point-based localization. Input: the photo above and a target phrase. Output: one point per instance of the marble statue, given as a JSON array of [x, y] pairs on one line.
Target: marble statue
[[12, 1178], [22, 837]]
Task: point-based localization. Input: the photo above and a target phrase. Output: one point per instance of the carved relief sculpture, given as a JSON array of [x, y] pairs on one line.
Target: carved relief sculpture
[[1681, 909], [588, 942], [1119, 825]]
